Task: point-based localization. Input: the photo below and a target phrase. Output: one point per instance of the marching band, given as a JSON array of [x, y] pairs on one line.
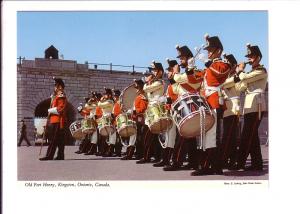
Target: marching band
[[194, 117]]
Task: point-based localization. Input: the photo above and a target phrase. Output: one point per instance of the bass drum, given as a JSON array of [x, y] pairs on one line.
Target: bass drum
[[191, 114], [127, 98]]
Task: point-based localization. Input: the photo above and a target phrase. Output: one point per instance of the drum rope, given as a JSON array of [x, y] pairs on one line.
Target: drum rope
[[202, 128]]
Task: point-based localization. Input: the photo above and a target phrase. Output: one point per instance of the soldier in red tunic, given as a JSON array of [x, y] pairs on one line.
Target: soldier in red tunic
[[56, 122], [139, 107], [182, 86], [215, 74], [116, 112]]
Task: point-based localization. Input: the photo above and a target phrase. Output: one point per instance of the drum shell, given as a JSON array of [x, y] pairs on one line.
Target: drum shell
[[105, 125], [158, 118], [76, 130], [88, 126], [125, 126], [187, 116]]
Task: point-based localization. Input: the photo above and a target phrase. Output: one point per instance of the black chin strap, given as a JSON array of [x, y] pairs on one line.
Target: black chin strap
[[257, 64], [214, 51]]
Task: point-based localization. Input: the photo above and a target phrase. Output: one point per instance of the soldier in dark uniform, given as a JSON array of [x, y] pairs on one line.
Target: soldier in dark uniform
[[23, 134], [56, 122]]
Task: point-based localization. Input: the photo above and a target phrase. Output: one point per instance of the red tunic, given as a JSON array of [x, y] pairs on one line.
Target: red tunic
[[172, 95], [99, 112], [215, 76], [116, 109], [140, 104], [60, 103]]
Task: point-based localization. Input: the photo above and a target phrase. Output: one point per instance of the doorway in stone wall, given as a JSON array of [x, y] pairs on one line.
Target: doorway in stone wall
[[41, 111]]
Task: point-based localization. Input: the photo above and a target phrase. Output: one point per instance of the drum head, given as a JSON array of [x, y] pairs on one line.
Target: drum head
[[127, 131], [190, 126], [127, 97], [106, 130], [88, 130], [78, 135], [162, 125]]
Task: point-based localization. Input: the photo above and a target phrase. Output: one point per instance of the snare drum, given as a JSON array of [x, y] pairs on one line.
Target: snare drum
[[76, 130], [158, 118], [189, 111], [105, 125], [88, 126], [125, 126]]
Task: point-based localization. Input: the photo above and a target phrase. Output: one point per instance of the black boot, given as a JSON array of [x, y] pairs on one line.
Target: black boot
[[202, 172], [173, 167], [59, 158], [118, 148], [126, 155], [78, 152], [254, 168], [143, 160], [109, 152], [80, 148], [165, 160], [129, 153], [87, 148], [92, 150]]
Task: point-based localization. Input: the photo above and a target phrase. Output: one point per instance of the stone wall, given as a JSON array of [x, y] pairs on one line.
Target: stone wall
[[35, 84]]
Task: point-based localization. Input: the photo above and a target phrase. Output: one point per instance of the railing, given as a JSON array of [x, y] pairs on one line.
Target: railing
[[99, 66], [105, 66]]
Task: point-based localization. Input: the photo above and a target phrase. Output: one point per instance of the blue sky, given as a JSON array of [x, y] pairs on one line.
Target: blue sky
[[137, 38]]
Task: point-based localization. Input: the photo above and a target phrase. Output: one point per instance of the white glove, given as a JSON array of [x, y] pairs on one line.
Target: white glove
[[129, 111], [202, 57], [53, 111], [162, 99], [79, 108], [92, 115], [191, 63]]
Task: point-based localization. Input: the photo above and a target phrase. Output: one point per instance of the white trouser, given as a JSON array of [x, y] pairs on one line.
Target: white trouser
[[170, 136], [94, 137], [112, 137], [132, 140], [210, 136]]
